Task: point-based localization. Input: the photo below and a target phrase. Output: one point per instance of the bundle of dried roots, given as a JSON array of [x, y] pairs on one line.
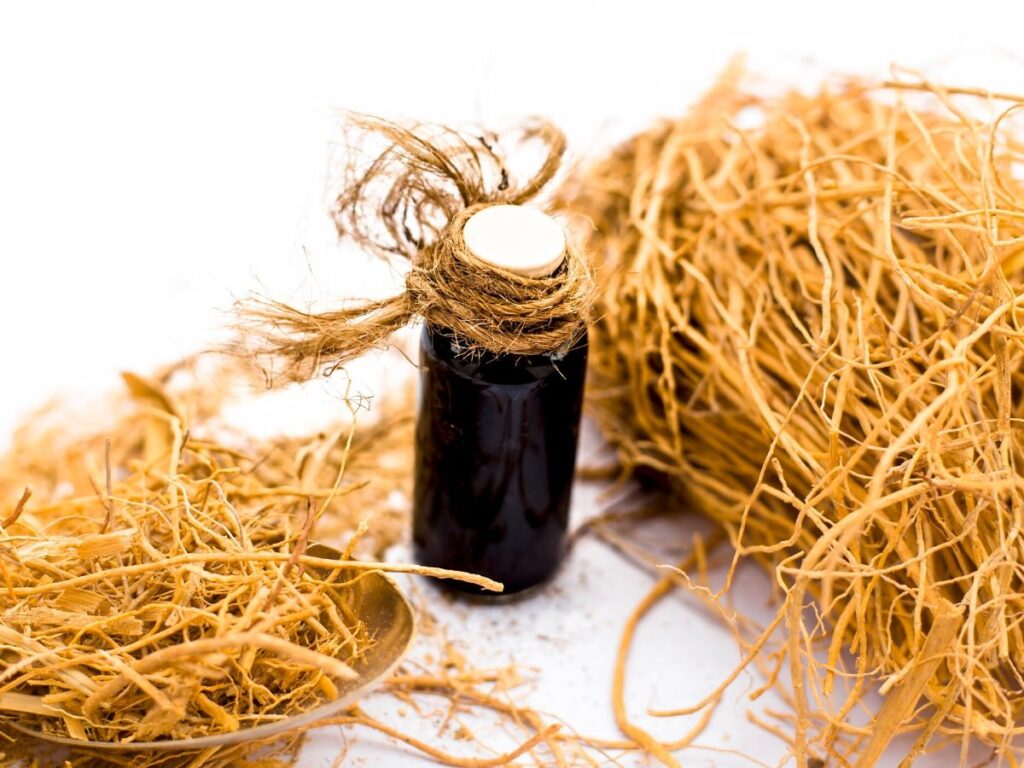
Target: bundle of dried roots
[[160, 585], [812, 327]]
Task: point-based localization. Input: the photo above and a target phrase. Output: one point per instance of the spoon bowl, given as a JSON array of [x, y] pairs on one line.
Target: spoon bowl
[[388, 618]]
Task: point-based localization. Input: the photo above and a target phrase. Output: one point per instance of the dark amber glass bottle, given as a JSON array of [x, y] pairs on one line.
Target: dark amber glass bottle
[[496, 444]]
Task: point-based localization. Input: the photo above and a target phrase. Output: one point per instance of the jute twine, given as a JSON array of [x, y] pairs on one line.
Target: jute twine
[[412, 202]]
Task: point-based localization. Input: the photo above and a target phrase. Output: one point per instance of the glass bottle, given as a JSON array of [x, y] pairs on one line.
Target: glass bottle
[[496, 436]]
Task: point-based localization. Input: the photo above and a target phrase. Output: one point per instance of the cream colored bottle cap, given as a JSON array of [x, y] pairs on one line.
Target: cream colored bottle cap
[[516, 238]]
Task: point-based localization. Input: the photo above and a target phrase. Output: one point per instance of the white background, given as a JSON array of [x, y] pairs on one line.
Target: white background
[[161, 159]]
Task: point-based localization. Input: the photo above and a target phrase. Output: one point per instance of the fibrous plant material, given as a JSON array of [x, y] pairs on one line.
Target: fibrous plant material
[[65, 462], [20, 752], [810, 327], [59, 450], [409, 203], [168, 591]]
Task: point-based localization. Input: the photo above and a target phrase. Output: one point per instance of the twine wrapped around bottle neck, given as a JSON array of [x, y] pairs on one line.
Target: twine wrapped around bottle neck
[[413, 201]]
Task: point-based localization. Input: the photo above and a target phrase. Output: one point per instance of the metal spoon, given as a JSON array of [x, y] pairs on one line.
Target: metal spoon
[[389, 620]]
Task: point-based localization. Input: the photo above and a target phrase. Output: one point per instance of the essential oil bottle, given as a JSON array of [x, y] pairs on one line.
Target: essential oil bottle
[[496, 434]]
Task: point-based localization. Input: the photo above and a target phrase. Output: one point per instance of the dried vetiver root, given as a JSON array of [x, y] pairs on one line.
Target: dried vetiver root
[[810, 328], [167, 590], [64, 458]]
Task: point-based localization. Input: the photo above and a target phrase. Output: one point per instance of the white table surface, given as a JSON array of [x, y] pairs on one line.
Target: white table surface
[[161, 159]]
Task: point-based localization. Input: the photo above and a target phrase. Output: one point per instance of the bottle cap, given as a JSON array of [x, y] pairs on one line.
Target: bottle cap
[[516, 238]]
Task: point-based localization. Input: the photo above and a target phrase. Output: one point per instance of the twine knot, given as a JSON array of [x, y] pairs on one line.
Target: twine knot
[[488, 308], [414, 200]]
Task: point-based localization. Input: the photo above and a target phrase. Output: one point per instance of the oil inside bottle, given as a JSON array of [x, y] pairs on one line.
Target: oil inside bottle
[[496, 444]]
